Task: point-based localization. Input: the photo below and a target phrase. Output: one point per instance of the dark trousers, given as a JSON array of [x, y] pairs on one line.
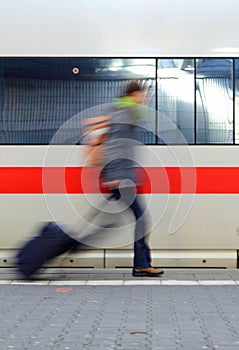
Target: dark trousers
[[141, 249]]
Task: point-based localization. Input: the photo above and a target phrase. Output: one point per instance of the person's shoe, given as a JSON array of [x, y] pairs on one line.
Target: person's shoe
[[148, 272]]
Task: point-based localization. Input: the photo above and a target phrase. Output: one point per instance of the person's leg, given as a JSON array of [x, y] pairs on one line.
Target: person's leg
[[141, 250], [142, 260]]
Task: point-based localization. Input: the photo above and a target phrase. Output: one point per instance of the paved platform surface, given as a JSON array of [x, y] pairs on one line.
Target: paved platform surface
[[75, 309]]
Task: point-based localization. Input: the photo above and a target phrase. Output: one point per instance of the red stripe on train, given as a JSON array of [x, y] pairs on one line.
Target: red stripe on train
[[38, 180]]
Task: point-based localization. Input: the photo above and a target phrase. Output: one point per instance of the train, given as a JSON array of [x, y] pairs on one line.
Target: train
[[61, 62]]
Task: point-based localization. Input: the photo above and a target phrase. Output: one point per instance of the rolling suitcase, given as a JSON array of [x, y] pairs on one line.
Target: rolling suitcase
[[51, 242]]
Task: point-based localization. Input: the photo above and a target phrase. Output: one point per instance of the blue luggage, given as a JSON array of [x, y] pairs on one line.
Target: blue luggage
[[51, 242]]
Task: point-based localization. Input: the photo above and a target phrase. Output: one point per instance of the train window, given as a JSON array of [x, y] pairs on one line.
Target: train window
[[214, 101], [236, 101], [40, 95], [195, 98], [175, 81]]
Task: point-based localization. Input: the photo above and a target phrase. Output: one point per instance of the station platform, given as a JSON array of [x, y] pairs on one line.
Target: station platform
[[105, 309]]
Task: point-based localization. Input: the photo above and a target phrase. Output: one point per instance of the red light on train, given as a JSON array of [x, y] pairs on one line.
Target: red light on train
[[75, 70]]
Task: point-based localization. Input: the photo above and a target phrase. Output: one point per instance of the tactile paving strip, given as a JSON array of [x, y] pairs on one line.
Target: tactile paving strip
[[119, 317]]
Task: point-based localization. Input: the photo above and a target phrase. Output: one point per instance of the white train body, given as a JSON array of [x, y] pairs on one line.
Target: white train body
[[195, 211]]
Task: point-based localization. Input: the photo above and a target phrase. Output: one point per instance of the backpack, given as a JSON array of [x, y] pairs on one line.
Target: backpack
[[95, 133]]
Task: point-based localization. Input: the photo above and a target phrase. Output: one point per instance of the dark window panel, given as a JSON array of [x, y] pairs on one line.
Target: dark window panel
[[41, 95]]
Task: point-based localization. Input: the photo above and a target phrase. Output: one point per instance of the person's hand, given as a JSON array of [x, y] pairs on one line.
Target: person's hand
[[112, 184]]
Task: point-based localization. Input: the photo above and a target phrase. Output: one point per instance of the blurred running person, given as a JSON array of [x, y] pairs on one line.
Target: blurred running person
[[120, 174]]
